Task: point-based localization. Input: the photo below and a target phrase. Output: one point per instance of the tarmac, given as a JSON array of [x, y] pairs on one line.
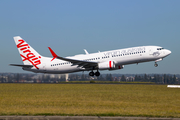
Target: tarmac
[[79, 118]]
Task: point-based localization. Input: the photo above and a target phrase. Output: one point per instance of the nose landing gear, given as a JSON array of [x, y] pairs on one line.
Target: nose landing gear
[[155, 64]]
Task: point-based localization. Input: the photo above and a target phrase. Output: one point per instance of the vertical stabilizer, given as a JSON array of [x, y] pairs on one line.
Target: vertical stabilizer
[[28, 54]]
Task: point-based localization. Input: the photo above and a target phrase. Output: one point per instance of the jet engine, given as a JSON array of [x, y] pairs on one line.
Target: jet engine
[[106, 65]]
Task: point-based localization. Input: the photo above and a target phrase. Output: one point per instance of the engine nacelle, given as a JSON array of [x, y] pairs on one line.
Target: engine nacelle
[[117, 67], [106, 65]]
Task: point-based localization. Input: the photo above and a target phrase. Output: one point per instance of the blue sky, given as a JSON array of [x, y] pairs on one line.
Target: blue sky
[[69, 26]]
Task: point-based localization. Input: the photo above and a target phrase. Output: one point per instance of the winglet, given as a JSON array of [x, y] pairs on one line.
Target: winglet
[[53, 53], [86, 51]]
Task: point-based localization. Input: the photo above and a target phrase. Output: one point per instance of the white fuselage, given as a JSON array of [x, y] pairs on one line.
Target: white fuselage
[[119, 58]]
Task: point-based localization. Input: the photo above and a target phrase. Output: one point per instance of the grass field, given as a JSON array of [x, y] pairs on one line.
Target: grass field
[[89, 99]]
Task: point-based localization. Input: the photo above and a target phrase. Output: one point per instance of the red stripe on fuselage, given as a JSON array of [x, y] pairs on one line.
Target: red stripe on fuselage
[[110, 65]]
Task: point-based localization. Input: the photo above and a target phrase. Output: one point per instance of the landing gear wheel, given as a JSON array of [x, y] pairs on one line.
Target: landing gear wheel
[[97, 73], [155, 64], [91, 74]]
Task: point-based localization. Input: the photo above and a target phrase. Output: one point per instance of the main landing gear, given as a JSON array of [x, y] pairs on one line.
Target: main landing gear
[[155, 64], [96, 73]]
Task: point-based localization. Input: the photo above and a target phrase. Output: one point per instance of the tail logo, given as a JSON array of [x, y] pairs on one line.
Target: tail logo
[[25, 48]]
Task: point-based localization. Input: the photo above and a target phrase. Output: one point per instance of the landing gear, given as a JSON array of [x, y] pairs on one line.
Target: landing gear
[[91, 73], [96, 73], [155, 64]]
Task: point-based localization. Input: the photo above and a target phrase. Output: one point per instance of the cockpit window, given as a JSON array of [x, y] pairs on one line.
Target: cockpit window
[[160, 48]]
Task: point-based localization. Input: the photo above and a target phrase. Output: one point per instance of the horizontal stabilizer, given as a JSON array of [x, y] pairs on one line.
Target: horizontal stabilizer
[[21, 65]]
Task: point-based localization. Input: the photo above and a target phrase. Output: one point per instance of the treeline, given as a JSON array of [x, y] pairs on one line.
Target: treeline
[[156, 78], [49, 78], [164, 79]]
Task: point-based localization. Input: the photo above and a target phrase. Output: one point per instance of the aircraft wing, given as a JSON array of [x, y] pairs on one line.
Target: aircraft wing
[[85, 64]]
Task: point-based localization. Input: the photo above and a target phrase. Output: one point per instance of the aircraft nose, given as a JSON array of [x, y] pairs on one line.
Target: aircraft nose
[[168, 52]]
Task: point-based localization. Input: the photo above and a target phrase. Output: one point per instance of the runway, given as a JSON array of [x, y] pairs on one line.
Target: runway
[[79, 118]]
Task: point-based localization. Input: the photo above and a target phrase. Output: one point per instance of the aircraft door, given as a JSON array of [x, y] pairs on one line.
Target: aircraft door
[[150, 51], [44, 67]]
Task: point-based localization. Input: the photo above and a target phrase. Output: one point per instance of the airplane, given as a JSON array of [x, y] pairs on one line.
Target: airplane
[[108, 60]]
